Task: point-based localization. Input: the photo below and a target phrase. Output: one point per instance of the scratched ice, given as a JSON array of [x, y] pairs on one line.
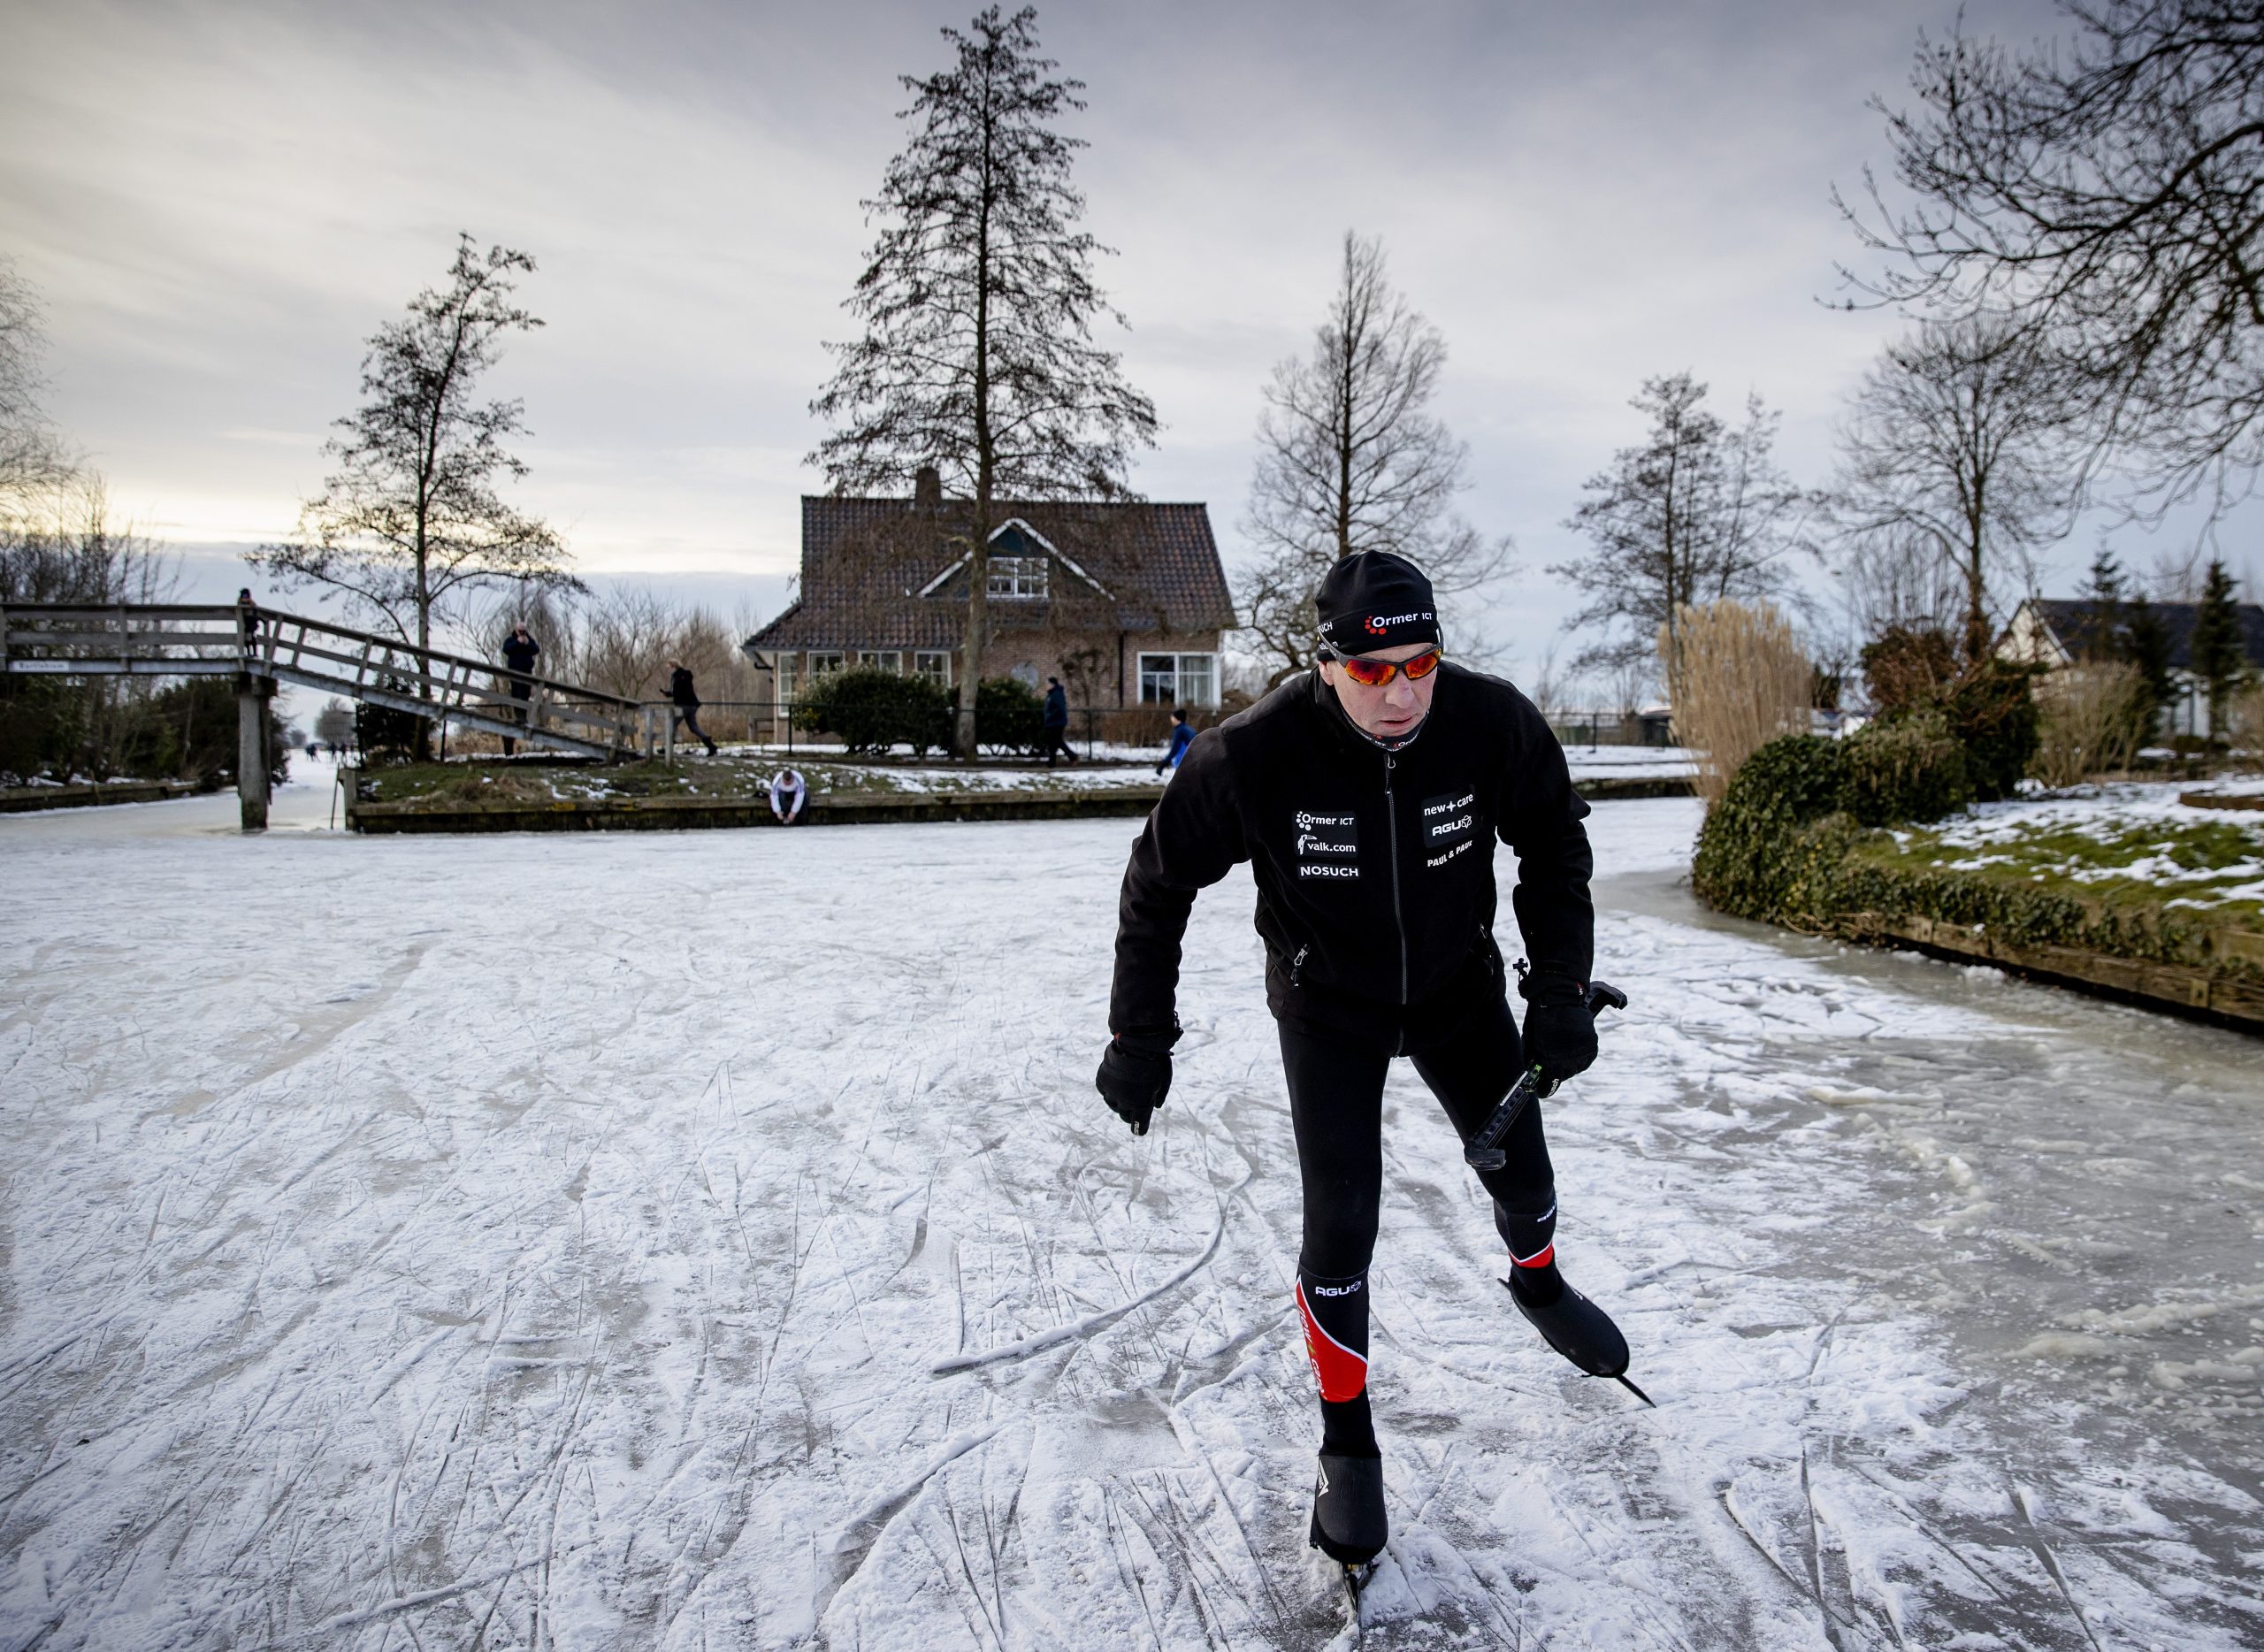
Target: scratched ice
[[713, 1240]]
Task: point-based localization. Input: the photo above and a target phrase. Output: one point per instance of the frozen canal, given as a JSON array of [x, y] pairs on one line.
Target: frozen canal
[[713, 1240]]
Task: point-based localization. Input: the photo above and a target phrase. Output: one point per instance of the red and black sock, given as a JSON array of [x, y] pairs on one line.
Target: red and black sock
[[1532, 1239], [1335, 1316]]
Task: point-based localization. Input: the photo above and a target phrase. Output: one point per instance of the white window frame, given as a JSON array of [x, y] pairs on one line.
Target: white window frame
[[1145, 671], [824, 663], [935, 664], [1017, 579], [880, 659], [788, 679]]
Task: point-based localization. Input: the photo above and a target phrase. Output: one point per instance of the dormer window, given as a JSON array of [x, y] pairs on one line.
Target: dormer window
[[1018, 578]]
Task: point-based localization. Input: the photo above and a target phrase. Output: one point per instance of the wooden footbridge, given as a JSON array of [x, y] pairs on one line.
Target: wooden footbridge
[[261, 648]]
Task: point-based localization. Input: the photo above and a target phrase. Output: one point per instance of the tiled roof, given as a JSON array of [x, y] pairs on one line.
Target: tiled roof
[[2076, 621], [1149, 567]]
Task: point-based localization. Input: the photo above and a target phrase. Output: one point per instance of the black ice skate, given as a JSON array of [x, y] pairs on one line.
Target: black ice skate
[[1348, 1523], [1582, 1331]]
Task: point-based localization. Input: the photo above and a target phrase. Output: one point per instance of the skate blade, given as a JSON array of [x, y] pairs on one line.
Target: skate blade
[[1628, 1383]]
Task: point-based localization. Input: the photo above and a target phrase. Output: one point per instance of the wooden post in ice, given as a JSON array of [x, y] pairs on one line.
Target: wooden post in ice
[[252, 695]]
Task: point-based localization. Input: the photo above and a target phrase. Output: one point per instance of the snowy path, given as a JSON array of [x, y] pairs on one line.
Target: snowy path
[[713, 1240]]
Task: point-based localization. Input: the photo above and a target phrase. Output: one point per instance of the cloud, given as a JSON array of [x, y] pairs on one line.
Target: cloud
[[1579, 196]]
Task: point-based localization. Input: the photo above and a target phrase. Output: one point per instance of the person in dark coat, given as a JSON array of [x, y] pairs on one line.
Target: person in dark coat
[[1057, 723], [685, 704], [1366, 797], [520, 652], [247, 620]]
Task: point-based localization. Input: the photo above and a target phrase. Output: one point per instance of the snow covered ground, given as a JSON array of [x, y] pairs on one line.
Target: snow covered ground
[[713, 1240]]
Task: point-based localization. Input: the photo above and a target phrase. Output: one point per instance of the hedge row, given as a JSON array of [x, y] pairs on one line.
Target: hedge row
[[1796, 842]]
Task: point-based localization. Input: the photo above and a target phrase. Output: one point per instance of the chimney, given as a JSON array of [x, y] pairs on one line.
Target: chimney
[[928, 488]]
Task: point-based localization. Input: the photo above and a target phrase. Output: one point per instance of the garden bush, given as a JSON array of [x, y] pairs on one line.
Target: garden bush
[[1908, 770], [872, 710], [1008, 715], [1992, 712]]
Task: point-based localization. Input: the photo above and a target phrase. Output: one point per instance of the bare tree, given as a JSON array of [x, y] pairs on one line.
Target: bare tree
[[979, 304], [1350, 458], [33, 458], [1697, 513], [2108, 191], [1958, 437], [412, 518]]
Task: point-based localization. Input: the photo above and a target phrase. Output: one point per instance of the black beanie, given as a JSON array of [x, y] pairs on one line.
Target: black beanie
[[1373, 600]]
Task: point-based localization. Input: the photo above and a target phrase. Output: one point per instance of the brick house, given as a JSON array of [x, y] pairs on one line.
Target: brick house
[[1125, 603]]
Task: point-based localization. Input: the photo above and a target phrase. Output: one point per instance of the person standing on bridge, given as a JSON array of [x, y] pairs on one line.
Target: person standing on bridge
[[520, 652], [684, 703], [1365, 794]]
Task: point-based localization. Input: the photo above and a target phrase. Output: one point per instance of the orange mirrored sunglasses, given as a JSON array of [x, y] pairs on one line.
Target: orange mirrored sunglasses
[[1376, 673]]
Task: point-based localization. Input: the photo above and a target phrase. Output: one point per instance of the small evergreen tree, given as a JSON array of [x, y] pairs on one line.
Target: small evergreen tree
[[2102, 638], [2219, 659]]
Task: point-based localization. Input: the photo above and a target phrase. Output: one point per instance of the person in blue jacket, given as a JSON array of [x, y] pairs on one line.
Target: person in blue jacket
[[1181, 738]]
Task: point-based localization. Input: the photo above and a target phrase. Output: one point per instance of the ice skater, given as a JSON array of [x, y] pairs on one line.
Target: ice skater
[[1367, 795], [683, 704], [787, 792], [1181, 737]]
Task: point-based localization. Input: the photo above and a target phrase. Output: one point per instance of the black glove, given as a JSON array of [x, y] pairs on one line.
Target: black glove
[[1559, 1027], [1135, 1076]]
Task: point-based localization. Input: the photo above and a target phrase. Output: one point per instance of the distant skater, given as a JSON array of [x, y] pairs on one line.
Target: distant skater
[[1181, 737], [247, 620], [686, 703], [520, 652], [1057, 723]]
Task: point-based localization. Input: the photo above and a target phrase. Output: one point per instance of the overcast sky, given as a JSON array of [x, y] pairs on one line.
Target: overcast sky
[[220, 202]]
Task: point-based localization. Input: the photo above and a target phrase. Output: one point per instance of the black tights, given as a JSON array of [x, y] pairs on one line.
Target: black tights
[[1336, 1106]]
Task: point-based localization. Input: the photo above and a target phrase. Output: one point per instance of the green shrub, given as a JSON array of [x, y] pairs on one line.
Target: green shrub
[[1908, 770], [1008, 715], [1992, 715], [872, 710], [1741, 865]]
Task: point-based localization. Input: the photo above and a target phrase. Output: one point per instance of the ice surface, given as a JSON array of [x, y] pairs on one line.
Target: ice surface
[[713, 1240]]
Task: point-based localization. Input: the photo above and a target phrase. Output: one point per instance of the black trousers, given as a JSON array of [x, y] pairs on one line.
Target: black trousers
[[689, 715], [1336, 1106], [1057, 744]]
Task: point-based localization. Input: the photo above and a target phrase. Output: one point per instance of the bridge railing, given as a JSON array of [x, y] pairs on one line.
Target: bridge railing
[[187, 640]]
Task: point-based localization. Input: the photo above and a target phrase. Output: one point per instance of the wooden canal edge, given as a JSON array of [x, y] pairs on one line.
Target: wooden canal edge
[[415, 816]]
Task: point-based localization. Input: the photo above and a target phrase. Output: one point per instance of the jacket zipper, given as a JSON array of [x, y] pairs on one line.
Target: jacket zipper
[[1297, 966], [1398, 921]]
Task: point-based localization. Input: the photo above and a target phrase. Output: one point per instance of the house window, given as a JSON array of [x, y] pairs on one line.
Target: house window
[[823, 664], [880, 659], [789, 676], [935, 664], [1018, 578], [1179, 679]]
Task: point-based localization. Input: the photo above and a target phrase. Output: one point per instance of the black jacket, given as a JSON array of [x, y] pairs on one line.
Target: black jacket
[[519, 655], [680, 688], [1057, 709], [1374, 868]]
